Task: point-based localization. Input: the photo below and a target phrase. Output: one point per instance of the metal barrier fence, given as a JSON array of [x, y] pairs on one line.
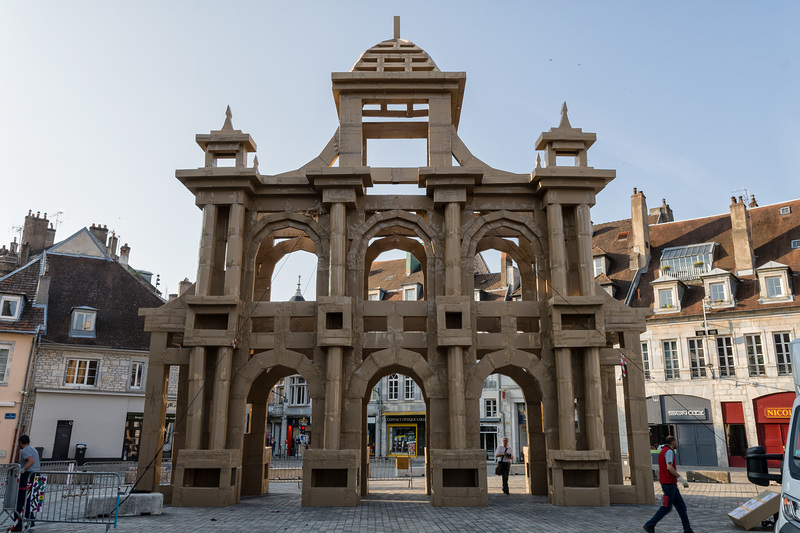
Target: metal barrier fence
[[395, 468], [286, 470], [59, 466], [77, 498], [9, 482]]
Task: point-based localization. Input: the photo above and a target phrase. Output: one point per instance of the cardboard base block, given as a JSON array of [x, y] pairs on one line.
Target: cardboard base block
[[207, 478], [331, 478], [459, 478], [751, 513]]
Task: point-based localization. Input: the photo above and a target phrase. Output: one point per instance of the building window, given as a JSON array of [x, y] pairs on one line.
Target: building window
[[646, 360], [490, 408], [5, 360], [10, 307], [477, 295], [374, 296], [394, 387], [137, 375], [687, 262], [410, 293], [599, 266], [298, 391], [671, 367], [774, 286], [81, 372], [717, 292], [374, 397], [795, 244], [755, 355], [782, 354], [697, 358], [409, 388], [665, 298], [725, 357], [83, 322]]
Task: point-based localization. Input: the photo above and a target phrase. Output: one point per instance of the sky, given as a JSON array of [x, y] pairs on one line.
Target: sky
[[692, 102]]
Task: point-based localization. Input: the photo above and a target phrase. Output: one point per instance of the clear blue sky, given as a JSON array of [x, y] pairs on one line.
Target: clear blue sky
[[691, 101]]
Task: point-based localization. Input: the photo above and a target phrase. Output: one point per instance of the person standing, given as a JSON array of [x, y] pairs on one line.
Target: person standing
[[668, 477], [504, 456], [29, 465]]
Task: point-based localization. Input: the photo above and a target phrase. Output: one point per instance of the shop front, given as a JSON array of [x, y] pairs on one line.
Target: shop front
[[689, 419], [298, 436], [405, 434], [772, 420]]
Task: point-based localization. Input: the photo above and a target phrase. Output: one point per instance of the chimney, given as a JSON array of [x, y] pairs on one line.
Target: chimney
[[101, 234], [742, 241], [412, 265], [124, 254], [112, 246], [34, 233], [14, 246], [640, 231], [753, 202], [183, 286], [663, 212], [43, 290], [505, 265], [51, 237]]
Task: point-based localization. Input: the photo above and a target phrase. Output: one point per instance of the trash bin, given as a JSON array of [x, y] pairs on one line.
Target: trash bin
[[80, 454]]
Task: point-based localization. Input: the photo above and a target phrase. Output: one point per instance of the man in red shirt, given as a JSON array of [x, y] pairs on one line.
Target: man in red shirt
[[668, 477]]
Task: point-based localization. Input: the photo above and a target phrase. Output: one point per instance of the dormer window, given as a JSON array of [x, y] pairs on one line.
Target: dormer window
[[375, 295], [10, 307], [83, 322], [668, 294], [687, 262], [599, 266], [666, 298], [411, 292], [720, 288], [774, 282], [774, 286]]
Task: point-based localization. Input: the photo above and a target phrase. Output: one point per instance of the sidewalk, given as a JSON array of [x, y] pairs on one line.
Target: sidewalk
[[393, 506]]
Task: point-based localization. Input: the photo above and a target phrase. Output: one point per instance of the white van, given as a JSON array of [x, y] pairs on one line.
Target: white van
[[788, 518]]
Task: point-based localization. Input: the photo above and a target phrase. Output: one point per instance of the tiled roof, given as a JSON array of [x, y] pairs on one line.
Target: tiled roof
[[391, 275], [771, 232], [103, 285], [25, 281]]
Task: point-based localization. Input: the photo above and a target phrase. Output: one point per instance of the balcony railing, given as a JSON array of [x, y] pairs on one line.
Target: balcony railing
[[684, 274]]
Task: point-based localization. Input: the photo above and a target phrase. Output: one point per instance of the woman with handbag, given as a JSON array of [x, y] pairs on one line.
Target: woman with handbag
[[504, 456]]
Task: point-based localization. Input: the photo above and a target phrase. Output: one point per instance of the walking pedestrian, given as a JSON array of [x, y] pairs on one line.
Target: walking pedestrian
[[29, 465], [504, 456], [668, 477]]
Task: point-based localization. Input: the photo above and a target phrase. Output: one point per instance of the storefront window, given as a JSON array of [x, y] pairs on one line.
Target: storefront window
[[402, 439]]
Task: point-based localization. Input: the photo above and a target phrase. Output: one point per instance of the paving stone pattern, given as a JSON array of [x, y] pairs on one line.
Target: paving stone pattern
[[393, 506]]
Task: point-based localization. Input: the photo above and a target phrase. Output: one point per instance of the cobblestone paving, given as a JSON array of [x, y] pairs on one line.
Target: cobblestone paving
[[393, 506]]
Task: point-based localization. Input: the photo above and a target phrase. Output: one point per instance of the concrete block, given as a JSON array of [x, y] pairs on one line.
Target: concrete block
[[708, 476], [130, 505]]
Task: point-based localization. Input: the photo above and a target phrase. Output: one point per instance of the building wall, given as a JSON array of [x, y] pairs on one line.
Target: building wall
[[19, 349], [98, 412], [742, 387]]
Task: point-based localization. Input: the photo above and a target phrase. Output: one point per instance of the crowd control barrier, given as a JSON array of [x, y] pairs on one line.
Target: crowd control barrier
[[65, 497]]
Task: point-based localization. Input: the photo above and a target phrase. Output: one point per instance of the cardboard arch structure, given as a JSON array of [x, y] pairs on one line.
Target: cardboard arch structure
[[560, 341]]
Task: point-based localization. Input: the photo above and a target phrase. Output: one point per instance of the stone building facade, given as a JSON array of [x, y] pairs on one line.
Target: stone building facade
[[722, 291], [560, 341], [80, 377]]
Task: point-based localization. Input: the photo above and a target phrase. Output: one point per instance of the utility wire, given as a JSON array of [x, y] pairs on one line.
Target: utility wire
[[209, 375]]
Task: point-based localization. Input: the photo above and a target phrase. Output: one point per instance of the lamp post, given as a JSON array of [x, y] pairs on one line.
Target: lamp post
[[706, 306]]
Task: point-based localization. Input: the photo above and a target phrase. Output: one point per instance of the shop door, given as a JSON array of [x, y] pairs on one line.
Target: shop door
[[773, 438], [696, 445], [63, 437]]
